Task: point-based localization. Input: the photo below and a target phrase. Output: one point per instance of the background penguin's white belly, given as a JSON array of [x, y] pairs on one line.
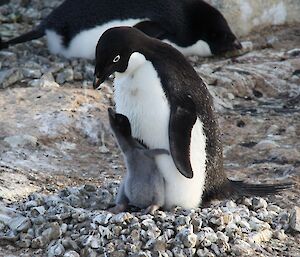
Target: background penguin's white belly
[[84, 43], [200, 48], [139, 96]]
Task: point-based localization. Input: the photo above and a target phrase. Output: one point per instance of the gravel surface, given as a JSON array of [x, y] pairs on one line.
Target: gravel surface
[[74, 222], [46, 210]]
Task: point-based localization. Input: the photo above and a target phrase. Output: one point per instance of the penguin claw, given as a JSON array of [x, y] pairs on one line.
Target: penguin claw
[[151, 209]]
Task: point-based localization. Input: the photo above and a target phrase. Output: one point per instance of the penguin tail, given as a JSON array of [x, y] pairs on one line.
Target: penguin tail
[[245, 189], [33, 34], [3, 45]]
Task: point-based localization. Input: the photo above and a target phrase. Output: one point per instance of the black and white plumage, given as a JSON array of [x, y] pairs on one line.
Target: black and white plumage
[[192, 26], [168, 107], [143, 186]]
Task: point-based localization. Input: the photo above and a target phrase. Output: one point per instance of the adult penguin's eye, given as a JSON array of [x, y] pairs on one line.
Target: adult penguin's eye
[[117, 58]]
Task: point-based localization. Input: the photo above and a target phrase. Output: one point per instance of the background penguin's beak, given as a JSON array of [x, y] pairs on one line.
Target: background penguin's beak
[[237, 45]]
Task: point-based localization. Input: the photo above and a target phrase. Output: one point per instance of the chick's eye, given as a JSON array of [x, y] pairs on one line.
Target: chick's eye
[[117, 58]]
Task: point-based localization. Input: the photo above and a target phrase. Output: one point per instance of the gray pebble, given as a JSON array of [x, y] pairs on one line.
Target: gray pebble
[[56, 250], [71, 254], [187, 237], [53, 231], [258, 203], [31, 73], [9, 77], [65, 76], [261, 236], [21, 141], [241, 248], [36, 211], [279, 234], [19, 224], [295, 219]]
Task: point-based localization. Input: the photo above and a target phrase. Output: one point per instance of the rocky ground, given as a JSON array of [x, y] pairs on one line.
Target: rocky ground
[[55, 138]]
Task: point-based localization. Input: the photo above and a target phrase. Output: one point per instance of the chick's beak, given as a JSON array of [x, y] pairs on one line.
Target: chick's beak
[[111, 112]]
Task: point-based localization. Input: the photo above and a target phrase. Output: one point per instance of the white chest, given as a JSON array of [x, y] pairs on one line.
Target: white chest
[[200, 48], [139, 96]]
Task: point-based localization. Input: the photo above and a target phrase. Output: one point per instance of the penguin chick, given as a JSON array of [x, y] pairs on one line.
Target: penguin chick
[[143, 185]]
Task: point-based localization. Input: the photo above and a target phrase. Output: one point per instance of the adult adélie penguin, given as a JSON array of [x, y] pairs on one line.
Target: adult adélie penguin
[[169, 107], [192, 26]]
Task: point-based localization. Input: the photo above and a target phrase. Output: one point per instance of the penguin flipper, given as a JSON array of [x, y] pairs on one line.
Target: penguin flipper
[[151, 28], [181, 124]]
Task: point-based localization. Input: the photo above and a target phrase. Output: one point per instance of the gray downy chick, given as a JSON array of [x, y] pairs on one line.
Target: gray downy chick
[[143, 186]]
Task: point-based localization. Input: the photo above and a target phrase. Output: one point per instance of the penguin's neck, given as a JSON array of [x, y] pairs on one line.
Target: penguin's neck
[[126, 143], [136, 61]]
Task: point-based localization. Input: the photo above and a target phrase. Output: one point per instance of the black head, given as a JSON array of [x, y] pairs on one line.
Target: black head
[[119, 123], [209, 25], [113, 51]]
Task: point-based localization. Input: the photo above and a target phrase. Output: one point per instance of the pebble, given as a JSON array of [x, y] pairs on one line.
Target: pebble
[[258, 203], [102, 219], [71, 254], [31, 73], [279, 234], [294, 52], [56, 250], [261, 236], [241, 248], [21, 140], [9, 76], [295, 219], [46, 80], [257, 225], [19, 224], [247, 45], [187, 237], [266, 145], [65, 76]]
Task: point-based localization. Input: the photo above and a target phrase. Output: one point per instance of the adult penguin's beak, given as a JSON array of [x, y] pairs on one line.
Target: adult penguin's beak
[[97, 82]]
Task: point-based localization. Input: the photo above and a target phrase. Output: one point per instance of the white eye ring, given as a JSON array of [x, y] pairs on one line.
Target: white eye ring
[[117, 58]]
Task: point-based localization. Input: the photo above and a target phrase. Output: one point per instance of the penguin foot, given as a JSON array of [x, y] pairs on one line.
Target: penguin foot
[[151, 209], [118, 208]]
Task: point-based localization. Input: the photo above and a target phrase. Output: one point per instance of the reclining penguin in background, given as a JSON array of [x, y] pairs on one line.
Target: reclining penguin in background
[[192, 26]]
